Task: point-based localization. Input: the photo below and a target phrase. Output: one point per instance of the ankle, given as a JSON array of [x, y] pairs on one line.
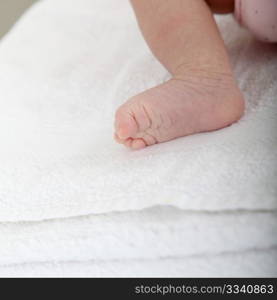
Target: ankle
[[210, 78]]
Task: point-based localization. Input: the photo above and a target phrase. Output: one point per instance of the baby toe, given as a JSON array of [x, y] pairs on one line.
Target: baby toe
[[138, 144], [125, 124], [128, 142], [117, 139]]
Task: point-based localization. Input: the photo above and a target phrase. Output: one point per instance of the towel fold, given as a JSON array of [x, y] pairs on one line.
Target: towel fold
[[157, 232], [166, 235], [74, 203], [249, 264], [65, 68]]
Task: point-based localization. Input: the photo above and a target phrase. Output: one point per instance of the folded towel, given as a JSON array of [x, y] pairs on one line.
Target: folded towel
[[73, 202], [65, 68], [153, 240], [249, 264]]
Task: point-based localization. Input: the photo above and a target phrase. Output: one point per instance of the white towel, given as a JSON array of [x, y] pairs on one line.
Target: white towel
[[154, 241], [73, 202], [63, 71], [250, 264]]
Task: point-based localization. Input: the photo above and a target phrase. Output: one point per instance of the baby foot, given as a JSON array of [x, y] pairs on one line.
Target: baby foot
[[179, 107]]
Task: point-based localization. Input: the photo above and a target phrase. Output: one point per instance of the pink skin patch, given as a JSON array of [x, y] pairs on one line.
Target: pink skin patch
[[260, 17]]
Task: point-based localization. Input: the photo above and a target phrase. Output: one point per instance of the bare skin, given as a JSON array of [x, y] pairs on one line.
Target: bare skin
[[202, 94]]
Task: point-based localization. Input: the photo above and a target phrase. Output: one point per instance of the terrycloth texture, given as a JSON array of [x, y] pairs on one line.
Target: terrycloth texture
[[154, 242], [249, 264], [64, 69]]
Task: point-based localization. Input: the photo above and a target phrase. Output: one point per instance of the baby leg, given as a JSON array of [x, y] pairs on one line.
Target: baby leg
[[202, 94]]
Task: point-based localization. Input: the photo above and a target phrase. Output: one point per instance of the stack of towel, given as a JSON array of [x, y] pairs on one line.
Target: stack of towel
[[74, 203]]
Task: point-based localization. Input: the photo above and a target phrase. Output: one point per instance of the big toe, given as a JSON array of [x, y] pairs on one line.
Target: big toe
[[125, 124]]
